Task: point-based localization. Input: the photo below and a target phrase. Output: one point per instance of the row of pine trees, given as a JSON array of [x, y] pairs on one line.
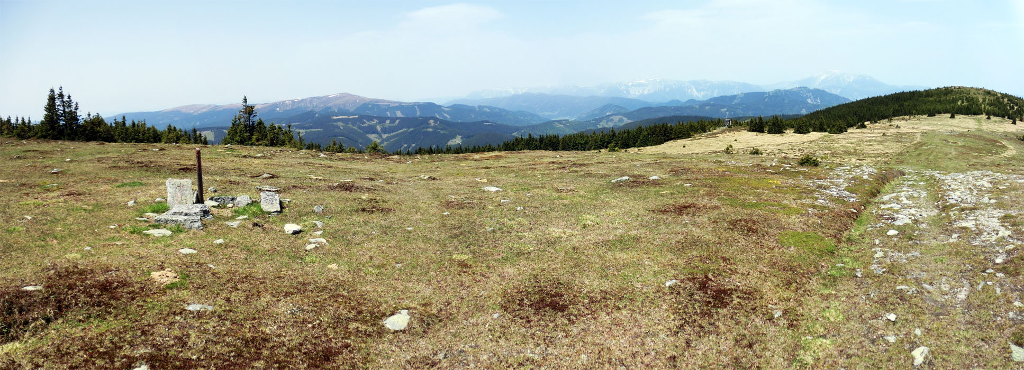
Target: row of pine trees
[[62, 121]]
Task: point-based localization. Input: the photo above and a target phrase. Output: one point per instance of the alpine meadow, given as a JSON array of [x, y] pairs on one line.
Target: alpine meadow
[[465, 186]]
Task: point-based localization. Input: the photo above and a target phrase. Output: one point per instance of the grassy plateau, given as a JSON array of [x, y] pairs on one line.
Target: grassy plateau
[[726, 261]]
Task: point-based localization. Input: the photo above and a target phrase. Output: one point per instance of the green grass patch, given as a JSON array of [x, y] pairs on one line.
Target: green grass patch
[[14, 229], [177, 229], [155, 208], [808, 242], [137, 230], [253, 210], [182, 282], [130, 184]]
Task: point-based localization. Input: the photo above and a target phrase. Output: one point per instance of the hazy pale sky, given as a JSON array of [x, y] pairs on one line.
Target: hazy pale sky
[[121, 56]]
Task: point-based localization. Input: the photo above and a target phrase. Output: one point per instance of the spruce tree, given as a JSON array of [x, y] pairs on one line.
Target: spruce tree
[[49, 127], [776, 126]]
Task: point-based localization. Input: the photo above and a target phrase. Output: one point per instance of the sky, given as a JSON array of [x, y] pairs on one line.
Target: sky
[[125, 56]]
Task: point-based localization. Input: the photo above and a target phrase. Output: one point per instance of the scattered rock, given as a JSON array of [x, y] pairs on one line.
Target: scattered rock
[[398, 321], [621, 179], [212, 189], [242, 201], [131, 203], [891, 317], [318, 232], [333, 266], [266, 176], [268, 188], [210, 203], [270, 202], [428, 177], [188, 222], [223, 200], [32, 288], [318, 223], [1016, 353], [187, 251], [141, 366], [318, 209], [890, 338], [292, 229], [195, 307], [55, 171], [233, 223], [218, 241], [892, 232], [919, 354], [671, 282], [158, 232], [318, 240], [491, 188], [242, 217], [652, 178], [310, 247]]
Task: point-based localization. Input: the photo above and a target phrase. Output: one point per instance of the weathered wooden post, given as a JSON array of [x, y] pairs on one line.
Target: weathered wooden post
[[199, 176]]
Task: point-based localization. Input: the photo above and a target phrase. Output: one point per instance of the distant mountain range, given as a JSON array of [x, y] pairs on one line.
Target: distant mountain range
[[576, 102], [395, 126], [496, 115]]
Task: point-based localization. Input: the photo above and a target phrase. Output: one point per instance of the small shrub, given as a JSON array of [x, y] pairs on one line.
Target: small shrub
[[755, 151], [862, 125], [728, 149], [613, 148], [809, 160], [130, 184]]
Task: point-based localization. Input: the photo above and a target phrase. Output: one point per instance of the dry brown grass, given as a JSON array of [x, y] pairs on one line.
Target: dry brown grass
[[576, 278]]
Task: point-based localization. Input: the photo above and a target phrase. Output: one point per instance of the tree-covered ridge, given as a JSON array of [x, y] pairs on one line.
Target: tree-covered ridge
[[946, 100], [612, 140]]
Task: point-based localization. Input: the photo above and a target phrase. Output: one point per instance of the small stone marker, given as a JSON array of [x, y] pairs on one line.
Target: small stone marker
[[292, 229], [158, 232], [491, 188], [242, 201], [270, 202], [188, 216], [621, 179], [179, 192], [919, 354], [398, 321]]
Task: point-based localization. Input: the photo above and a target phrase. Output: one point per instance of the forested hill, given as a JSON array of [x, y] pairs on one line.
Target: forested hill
[[945, 100]]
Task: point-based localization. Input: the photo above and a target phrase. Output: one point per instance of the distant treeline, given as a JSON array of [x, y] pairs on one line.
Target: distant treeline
[[62, 121], [933, 102], [612, 140]]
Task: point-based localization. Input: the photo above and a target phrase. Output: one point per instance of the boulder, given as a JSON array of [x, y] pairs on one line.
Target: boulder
[[242, 201], [292, 229], [223, 200]]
